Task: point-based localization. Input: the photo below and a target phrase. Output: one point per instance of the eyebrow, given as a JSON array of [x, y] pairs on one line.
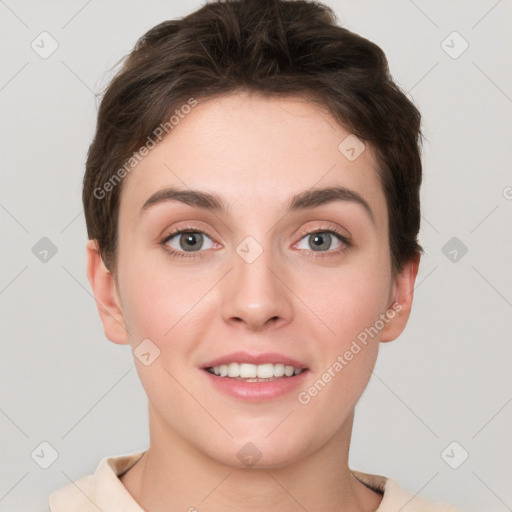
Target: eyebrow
[[212, 202]]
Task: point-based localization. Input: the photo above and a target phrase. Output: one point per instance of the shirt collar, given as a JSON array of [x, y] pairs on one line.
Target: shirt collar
[[103, 491]]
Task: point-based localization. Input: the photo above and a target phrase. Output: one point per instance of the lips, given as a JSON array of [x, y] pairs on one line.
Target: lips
[[247, 377]]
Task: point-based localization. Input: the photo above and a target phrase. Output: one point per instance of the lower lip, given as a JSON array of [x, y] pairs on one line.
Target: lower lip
[[256, 391]]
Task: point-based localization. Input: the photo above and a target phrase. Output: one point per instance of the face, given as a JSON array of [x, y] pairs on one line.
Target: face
[[265, 274]]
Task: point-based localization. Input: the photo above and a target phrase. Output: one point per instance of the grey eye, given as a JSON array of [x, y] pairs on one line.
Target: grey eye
[[189, 241], [320, 241]]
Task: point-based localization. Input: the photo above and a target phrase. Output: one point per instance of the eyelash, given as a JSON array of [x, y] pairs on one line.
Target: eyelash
[[195, 254]]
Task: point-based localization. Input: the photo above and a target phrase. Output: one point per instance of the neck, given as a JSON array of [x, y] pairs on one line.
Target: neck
[[174, 475]]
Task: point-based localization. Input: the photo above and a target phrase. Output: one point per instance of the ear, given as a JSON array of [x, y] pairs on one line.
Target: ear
[[400, 307], [107, 299]]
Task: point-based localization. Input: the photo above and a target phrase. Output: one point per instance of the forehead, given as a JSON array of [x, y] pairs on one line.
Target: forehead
[[248, 148]]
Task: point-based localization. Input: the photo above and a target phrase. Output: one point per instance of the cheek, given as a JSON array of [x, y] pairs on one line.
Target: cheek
[[347, 300], [350, 305], [157, 297]]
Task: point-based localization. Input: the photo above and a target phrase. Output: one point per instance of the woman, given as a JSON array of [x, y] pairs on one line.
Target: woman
[[252, 203]]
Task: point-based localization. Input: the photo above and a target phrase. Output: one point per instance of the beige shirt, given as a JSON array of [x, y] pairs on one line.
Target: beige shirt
[[104, 491]]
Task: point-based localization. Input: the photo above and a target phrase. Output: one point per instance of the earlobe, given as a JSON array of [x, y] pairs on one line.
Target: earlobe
[[104, 288], [400, 308]]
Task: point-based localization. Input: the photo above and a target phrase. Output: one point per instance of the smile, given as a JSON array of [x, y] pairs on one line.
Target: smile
[[256, 377], [255, 373]]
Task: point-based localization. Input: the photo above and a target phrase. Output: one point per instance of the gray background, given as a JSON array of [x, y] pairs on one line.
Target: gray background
[[446, 379]]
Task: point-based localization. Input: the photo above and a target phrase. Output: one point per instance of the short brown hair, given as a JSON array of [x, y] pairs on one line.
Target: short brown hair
[[271, 47]]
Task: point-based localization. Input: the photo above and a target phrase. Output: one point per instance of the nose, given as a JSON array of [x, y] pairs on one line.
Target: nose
[[255, 293]]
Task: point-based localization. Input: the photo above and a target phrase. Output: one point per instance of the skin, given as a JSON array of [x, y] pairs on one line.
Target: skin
[[256, 153]]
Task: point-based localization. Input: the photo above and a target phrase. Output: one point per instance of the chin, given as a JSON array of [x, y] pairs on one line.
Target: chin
[[258, 451]]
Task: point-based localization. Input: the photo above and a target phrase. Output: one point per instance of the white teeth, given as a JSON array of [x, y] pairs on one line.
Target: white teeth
[[264, 371], [233, 370], [288, 371], [252, 371], [279, 370], [247, 371]]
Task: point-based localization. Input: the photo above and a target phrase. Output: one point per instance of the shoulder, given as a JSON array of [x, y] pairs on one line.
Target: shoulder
[[74, 497], [101, 490], [395, 498]]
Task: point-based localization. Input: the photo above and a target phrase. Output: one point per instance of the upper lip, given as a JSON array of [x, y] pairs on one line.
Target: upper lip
[[262, 358]]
